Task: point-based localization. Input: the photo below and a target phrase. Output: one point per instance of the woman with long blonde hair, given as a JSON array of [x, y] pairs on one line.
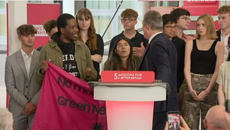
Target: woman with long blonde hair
[[203, 56]]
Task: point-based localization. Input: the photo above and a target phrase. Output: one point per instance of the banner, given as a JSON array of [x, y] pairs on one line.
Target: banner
[[67, 103]]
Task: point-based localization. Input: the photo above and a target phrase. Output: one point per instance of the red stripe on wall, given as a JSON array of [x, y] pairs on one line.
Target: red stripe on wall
[[7, 42], [193, 25], [201, 7]]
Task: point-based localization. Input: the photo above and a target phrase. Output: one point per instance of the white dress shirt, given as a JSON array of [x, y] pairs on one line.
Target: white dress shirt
[[224, 39], [27, 60], [150, 39]]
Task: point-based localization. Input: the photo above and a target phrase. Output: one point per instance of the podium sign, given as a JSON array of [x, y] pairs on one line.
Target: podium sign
[[127, 76]]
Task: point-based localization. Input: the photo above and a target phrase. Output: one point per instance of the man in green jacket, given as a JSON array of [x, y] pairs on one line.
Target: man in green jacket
[[66, 52]]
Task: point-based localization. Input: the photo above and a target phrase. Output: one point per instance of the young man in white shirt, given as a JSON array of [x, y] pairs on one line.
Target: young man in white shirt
[[224, 32], [20, 79]]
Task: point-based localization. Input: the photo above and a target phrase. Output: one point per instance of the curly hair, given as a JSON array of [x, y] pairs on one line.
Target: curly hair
[[91, 32], [114, 60], [48, 25], [223, 10], [26, 29]]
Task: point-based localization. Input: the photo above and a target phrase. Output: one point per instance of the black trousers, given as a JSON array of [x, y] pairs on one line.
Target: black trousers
[[159, 120]]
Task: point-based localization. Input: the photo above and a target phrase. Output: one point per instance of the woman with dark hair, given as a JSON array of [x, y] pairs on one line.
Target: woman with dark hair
[[87, 34], [121, 57], [203, 56]]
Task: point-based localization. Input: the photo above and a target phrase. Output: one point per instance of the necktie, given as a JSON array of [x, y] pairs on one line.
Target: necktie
[[146, 45]]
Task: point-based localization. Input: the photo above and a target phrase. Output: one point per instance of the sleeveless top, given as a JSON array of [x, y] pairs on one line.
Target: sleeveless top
[[203, 61]]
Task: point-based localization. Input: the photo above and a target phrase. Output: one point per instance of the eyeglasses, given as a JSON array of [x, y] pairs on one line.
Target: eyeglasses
[[127, 20], [186, 18], [171, 27]]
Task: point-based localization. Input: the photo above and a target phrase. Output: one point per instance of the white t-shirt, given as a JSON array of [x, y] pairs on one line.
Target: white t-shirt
[[27, 61]]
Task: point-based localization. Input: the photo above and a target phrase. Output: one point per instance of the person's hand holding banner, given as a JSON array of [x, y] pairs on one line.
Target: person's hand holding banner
[[44, 67]]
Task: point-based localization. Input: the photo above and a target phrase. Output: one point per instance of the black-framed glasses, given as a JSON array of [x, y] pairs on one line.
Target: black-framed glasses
[[127, 20], [186, 18], [171, 27]]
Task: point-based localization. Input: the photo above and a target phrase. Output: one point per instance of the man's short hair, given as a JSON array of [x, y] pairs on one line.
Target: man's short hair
[[6, 119], [129, 13], [62, 21], [26, 29], [153, 19], [223, 10], [49, 25], [168, 18], [179, 12]]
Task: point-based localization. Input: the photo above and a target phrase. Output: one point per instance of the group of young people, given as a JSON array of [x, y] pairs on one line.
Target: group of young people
[[201, 67], [73, 46], [202, 74], [191, 65]]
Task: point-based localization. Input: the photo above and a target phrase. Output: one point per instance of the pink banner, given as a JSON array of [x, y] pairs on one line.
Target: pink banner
[[66, 103]]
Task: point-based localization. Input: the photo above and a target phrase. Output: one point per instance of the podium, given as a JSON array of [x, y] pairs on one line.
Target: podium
[[129, 106]]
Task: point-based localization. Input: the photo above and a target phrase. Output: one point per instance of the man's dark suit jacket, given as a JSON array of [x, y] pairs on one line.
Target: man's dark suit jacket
[[161, 57], [180, 48], [218, 33]]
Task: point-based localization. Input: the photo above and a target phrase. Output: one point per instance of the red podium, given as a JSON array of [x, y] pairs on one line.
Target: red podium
[[129, 106]]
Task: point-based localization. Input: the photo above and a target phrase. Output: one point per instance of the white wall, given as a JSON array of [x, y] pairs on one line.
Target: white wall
[[68, 7], [2, 97], [17, 14]]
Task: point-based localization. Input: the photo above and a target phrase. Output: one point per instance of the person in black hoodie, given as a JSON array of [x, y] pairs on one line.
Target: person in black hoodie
[[65, 51]]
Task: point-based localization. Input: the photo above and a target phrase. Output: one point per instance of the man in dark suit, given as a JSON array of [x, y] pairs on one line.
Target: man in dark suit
[[160, 57]]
